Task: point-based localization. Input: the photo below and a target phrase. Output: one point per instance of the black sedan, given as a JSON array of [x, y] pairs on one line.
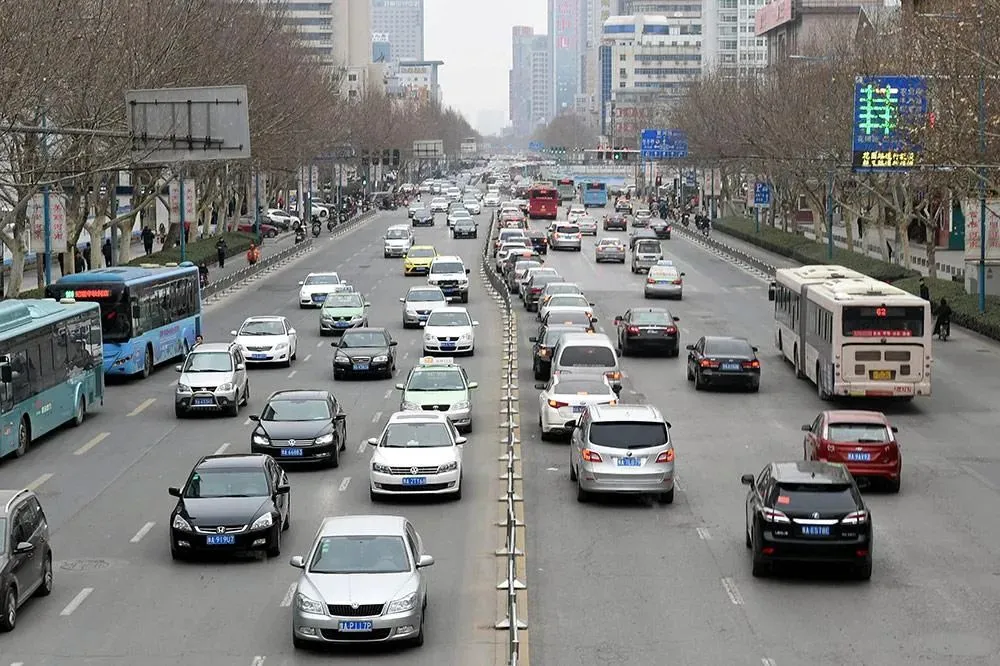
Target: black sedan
[[306, 426], [423, 218], [364, 352], [648, 329], [464, 228], [230, 503], [544, 343], [661, 228], [539, 241], [719, 361], [615, 222]]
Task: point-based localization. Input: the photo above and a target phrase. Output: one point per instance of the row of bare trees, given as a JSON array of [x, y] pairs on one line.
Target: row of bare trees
[[568, 130], [68, 64]]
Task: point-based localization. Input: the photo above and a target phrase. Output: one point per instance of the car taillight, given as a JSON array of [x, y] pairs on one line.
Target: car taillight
[[591, 456], [672, 330], [678, 281], [666, 457], [668, 227], [773, 516], [536, 290], [855, 518], [613, 375], [650, 281], [755, 365], [706, 363], [556, 404], [632, 330]]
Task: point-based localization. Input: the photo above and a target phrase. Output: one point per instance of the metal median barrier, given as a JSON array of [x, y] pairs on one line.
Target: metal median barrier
[[728, 252], [511, 519], [267, 261]]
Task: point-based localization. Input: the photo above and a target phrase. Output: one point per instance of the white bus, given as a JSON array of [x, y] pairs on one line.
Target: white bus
[[851, 335]]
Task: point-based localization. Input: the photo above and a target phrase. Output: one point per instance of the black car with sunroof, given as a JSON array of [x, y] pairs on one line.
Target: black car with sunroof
[[301, 426], [723, 361], [807, 511]]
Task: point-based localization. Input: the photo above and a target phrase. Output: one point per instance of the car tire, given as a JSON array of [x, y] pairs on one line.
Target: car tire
[[690, 375], [234, 410], [246, 393], [746, 534], [274, 550], [418, 640], [863, 571], [754, 387], [893, 485], [582, 496], [176, 555], [81, 412], [179, 412], [44, 589], [8, 619], [334, 459], [373, 496], [759, 567], [666, 498], [572, 472], [699, 385], [288, 516], [457, 495]]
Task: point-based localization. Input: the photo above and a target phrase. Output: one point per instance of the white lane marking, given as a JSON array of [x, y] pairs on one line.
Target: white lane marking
[[677, 485], [77, 600], [767, 661], [141, 407], [703, 534], [343, 484], [376, 416], [364, 445], [143, 531], [388, 394], [306, 359], [319, 344], [17, 663], [406, 356], [286, 600], [247, 422], [97, 439], [257, 661], [733, 592], [292, 373], [222, 449], [38, 482]]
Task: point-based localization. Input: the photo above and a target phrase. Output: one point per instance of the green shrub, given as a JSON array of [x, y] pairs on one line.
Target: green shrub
[[199, 250]]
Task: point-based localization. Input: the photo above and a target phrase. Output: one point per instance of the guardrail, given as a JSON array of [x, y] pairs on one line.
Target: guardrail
[[272, 259], [510, 585], [734, 254]]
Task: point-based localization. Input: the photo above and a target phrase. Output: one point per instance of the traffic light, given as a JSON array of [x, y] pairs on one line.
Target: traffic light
[[616, 155], [386, 157], [659, 181], [395, 157]]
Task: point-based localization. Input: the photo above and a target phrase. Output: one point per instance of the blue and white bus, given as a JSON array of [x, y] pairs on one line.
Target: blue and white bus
[[595, 195], [50, 368], [149, 315]]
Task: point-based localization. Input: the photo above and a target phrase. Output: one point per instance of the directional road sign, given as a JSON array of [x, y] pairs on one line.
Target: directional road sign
[[762, 195], [663, 144], [536, 146], [886, 111]]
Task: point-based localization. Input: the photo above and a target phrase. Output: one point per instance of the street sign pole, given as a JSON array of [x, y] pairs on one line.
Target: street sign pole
[[47, 213], [756, 219], [181, 208]]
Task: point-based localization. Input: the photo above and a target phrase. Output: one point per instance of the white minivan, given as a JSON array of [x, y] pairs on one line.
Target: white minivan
[[587, 354]]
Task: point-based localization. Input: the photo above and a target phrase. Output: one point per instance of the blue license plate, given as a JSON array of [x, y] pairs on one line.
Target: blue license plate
[[291, 453], [360, 366], [341, 324], [578, 409], [258, 356], [629, 462], [730, 366], [203, 401], [354, 625], [319, 298], [815, 530], [414, 480], [220, 540], [448, 346], [859, 456]]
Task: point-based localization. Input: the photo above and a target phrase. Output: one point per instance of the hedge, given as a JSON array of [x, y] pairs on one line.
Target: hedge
[[965, 307]]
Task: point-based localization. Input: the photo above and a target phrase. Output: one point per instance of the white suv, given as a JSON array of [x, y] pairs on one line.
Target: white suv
[[451, 276]]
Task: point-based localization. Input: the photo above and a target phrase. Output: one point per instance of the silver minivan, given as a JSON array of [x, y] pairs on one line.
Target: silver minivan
[[398, 241], [622, 449], [587, 354], [213, 379], [645, 253]]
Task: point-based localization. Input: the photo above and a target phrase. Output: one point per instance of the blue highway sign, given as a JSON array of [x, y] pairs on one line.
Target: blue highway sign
[[660, 144], [761, 195], [536, 146]]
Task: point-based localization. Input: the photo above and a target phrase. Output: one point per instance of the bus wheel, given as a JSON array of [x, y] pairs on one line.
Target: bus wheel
[[147, 363], [81, 412], [820, 389], [23, 438], [779, 342], [798, 371]]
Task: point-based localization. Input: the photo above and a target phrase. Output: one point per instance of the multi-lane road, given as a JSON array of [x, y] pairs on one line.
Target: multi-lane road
[[120, 600]]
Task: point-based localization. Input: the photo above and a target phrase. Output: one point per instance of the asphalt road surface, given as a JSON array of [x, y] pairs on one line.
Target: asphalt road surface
[[630, 582], [120, 600]]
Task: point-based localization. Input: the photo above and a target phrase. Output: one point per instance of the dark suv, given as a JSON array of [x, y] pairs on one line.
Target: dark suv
[[807, 511], [25, 553]]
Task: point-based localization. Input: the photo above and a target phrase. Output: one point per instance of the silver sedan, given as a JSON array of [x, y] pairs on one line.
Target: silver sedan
[[664, 282], [609, 249], [588, 225]]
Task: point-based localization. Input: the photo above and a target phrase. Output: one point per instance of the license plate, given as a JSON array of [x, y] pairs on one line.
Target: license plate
[[448, 346], [319, 298], [654, 331], [220, 540], [882, 375], [258, 356], [340, 324], [360, 366], [815, 530], [578, 409], [629, 462], [291, 453], [414, 480], [730, 366], [355, 625], [859, 456], [204, 401]]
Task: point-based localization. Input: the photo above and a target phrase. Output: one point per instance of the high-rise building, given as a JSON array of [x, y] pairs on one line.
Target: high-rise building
[[598, 11], [542, 110], [731, 46], [793, 27], [522, 44], [567, 34], [401, 24]]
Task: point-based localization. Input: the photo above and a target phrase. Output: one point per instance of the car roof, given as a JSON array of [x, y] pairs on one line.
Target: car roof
[[418, 417], [855, 416], [231, 460], [264, 318], [585, 339], [362, 526], [212, 347], [422, 247], [367, 329], [646, 413], [301, 394], [8, 496], [810, 471], [449, 257], [451, 308], [423, 287]]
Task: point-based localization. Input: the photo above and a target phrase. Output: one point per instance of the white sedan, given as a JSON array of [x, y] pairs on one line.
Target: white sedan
[[506, 248], [267, 339], [492, 199], [450, 331], [567, 302], [564, 398], [473, 206], [439, 205], [418, 453], [314, 289], [576, 211]]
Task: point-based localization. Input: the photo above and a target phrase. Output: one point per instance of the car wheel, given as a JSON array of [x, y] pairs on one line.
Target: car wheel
[[893, 485], [288, 516], [179, 412], [759, 567], [147, 363], [699, 384], [9, 619], [23, 438], [754, 387], [274, 550], [335, 458], [45, 588], [667, 497], [246, 393], [458, 493], [582, 495], [746, 534], [81, 412], [418, 640], [572, 472], [234, 409], [864, 571], [372, 495]]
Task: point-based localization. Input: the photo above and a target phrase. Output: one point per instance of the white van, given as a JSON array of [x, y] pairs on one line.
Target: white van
[[587, 354]]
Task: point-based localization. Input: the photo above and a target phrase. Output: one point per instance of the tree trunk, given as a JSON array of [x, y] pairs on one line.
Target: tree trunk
[[18, 255]]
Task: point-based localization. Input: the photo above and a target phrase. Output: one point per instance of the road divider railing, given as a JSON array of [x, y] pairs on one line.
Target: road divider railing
[[511, 602], [732, 253], [272, 259]]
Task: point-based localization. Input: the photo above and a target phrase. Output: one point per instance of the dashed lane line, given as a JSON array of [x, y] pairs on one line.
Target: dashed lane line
[[388, 394], [257, 661], [767, 661], [376, 416], [306, 359], [94, 441], [703, 534], [343, 484], [142, 407], [286, 600], [222, 449], [247, 422], [292, 373], [143, 531], [34, 485], [363, 446], [733, 592], [319, 344], [76, 601]]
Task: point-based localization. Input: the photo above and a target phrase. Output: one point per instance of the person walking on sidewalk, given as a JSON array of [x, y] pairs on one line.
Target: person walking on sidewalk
[[106, 251], [221, 249], [253, 254], [147, 239], [925, 291]]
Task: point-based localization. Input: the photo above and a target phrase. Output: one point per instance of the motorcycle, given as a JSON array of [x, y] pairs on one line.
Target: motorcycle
[[331, 223], [203, 279], [317, 228], [300, 235], [943, 330], [684, 219]]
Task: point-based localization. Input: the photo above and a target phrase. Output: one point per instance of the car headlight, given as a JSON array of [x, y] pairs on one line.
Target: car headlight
[[181, 524], [462, 282], [261, 439], [380, 468], [281, 345], [464, 404], [432, 281], [341, 357], [325, 439], [466, 337], [357, 317], [303, 294], [222, 388], [183, 388], [326, 316], [408, 406], [263, 522], [402, 605], [380, 359], [307, 605], [448, 467], [428, 337]]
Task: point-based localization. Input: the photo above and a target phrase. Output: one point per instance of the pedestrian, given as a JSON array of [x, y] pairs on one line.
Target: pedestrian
[[147, 239], [888, 245], [106, 251], [221, 249], [198, 340], [79, 265], [925, 291]]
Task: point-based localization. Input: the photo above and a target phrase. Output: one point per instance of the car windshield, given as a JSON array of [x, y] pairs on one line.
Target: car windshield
[[208, 362], [568, 301], [436, 380], [609, 242], [464, 222], [360, 555], [594, 356], [566, 317], [523, 266], [449, 319], [862, 433], [363, 339], [447, 267], [628, 434], [290, 409], [420, 252], [343, 301], [808, 497], [728, 348], [207, 482], [424, 295], [263, 327], [581, 387], [397, 233], [416, 436], [652, 318], [544, 279], [323, 279]]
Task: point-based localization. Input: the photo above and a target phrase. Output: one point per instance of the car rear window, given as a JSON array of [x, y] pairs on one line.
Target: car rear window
[[819, 497], [593, 356], [728, 348], [567, 229], [628, 434], [651, 318], [863, 433]]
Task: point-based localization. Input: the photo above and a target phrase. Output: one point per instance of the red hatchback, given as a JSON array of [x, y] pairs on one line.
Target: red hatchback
[[862, 440]]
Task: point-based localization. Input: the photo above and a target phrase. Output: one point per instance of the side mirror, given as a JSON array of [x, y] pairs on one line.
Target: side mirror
[[770, 292], [592, 305], [466, 272], [233, 333], [755, 349], [24, 547], [400, 387], [540, 387], [291, 331], [747, 480], [689, 347], [617, 390], [284, 489], [533, 338], [367, 304], [683, 274], [461, 440], [177, 368], [241, 366], [618, 320], [895, 429], [254, 417], [402, 300], [393, 343], [473, 385], [807, 428], [475, 323], [298, 562], [421, 323], [676, 318], [341, 416], [174, 492], [372, 441], [301, 282], [335, 344], [425, 561]]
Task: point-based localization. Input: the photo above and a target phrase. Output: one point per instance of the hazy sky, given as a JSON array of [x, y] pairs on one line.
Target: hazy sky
[[472, 37]]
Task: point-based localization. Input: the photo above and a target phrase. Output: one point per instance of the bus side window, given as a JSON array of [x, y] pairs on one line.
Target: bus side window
[[60, 354]]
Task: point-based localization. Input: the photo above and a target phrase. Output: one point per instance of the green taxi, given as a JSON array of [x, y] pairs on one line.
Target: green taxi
[[343, 311], [439, 385]]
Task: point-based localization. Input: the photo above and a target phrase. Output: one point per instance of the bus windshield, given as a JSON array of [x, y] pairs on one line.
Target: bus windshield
[[883, 322], [116, 317]]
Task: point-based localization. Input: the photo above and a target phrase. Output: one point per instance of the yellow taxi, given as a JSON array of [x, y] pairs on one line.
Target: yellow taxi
[[418, 260]]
